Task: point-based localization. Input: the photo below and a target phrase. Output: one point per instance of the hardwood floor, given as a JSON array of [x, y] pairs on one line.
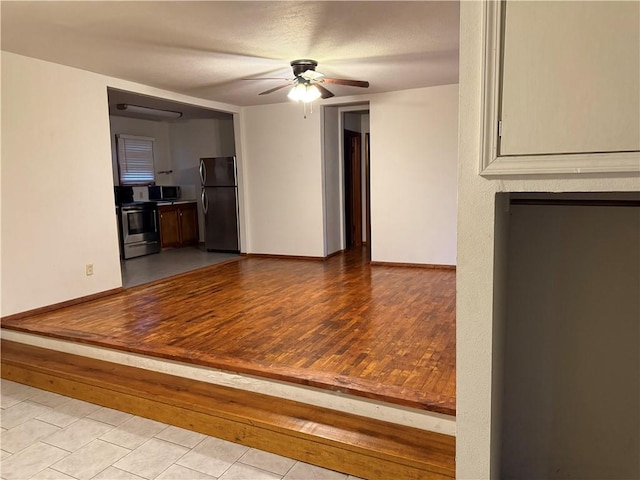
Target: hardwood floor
[[386, 333]]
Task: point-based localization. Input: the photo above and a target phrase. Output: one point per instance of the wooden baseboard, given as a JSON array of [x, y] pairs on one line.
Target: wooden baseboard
[[359, 446], [294, 257], [284, 257], [414, 265], [334, 254], [58, 306]]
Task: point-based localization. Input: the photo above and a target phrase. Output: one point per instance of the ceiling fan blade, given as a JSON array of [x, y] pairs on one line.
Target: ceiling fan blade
[[271, 90], [266, 78], [350, 83], [324, 93]]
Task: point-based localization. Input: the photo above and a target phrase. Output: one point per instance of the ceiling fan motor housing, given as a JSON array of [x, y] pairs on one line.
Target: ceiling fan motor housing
[[301, 66], [305, 75]]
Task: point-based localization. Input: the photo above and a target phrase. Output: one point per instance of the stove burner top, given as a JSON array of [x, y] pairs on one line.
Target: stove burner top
[[139, 205]]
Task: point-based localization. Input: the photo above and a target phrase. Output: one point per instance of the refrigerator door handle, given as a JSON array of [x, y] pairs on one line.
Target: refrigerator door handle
[[203, 172], [235, 171], [205, 201]]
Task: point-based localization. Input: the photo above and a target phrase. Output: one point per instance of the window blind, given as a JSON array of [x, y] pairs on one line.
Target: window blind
[[135, 160]]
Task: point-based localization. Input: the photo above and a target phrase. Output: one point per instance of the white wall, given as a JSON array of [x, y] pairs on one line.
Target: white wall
[[57, 189], [364, 123], [413, 178], [57, 182], [414, 155], [159, 130], [476, 256], [283, 172], [332, 186], [352, 121]]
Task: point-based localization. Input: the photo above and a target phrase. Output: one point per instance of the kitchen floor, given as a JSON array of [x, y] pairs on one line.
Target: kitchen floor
[[49, 436], [173, 261]]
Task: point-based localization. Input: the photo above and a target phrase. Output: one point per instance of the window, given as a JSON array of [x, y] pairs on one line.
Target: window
[[135, 160]]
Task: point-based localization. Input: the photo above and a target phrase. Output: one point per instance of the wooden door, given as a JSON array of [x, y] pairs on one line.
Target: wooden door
[[352, 189], [356, 186]]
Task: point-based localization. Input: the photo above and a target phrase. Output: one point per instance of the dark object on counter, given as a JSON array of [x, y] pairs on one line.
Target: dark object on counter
[[164, 192], [123, 195]]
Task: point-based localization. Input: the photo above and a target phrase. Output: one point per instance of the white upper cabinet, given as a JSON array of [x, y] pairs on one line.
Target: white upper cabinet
[[562, 87]]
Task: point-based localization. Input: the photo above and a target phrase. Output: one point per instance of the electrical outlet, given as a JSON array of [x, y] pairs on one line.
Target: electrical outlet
[[89, 269]]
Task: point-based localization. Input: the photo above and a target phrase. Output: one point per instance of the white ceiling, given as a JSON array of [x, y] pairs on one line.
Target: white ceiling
[[205, 48]]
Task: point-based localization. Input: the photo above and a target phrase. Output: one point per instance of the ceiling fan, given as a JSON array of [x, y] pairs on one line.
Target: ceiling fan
[[307, 83]]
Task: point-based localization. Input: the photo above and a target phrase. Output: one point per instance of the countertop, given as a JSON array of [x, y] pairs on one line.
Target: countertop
[[164, 203]]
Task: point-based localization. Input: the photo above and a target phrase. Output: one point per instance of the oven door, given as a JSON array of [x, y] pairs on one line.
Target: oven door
[[139, 224], [139, 228]]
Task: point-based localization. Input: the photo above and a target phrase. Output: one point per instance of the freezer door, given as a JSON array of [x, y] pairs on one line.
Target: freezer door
[[218, 172], [221, 219]]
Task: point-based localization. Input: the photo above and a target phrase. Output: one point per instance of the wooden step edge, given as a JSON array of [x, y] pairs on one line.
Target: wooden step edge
[[331, 432], [433, 403], [226, 396], [300, 438], [412, 443]]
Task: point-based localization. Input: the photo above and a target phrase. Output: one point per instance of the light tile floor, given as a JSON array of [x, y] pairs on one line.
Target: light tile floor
[[48, 436], [173, 261]]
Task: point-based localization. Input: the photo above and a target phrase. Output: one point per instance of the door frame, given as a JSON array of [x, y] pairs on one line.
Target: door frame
[[366, 174]]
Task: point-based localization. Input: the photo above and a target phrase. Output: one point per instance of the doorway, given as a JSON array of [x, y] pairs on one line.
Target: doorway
[[346, 185], [356, 184], [179, 143], [352, 189]]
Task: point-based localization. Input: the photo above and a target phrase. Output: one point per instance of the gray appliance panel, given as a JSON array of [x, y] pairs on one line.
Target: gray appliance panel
[[218, 172], [138, 230], [132, 250], [221, 218]]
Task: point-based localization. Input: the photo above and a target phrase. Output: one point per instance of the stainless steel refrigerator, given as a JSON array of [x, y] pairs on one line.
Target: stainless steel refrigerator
[[220, 204]]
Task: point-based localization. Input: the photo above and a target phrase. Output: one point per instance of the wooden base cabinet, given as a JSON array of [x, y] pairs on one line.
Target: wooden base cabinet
[[178, 225]]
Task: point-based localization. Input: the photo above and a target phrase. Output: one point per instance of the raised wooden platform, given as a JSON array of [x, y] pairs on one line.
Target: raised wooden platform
[[360, 446], [386, 333]]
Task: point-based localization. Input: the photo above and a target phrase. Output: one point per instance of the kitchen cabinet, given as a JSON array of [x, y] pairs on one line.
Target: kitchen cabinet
[[178, 224], [562, 88]]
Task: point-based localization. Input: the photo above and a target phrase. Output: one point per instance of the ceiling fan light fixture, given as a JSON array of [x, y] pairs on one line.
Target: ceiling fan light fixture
[[304, 92]]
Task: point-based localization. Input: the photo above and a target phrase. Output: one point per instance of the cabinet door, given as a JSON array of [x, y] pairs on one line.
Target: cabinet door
[[561, 87], [189, 224], [169, 226], [571, 78]]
